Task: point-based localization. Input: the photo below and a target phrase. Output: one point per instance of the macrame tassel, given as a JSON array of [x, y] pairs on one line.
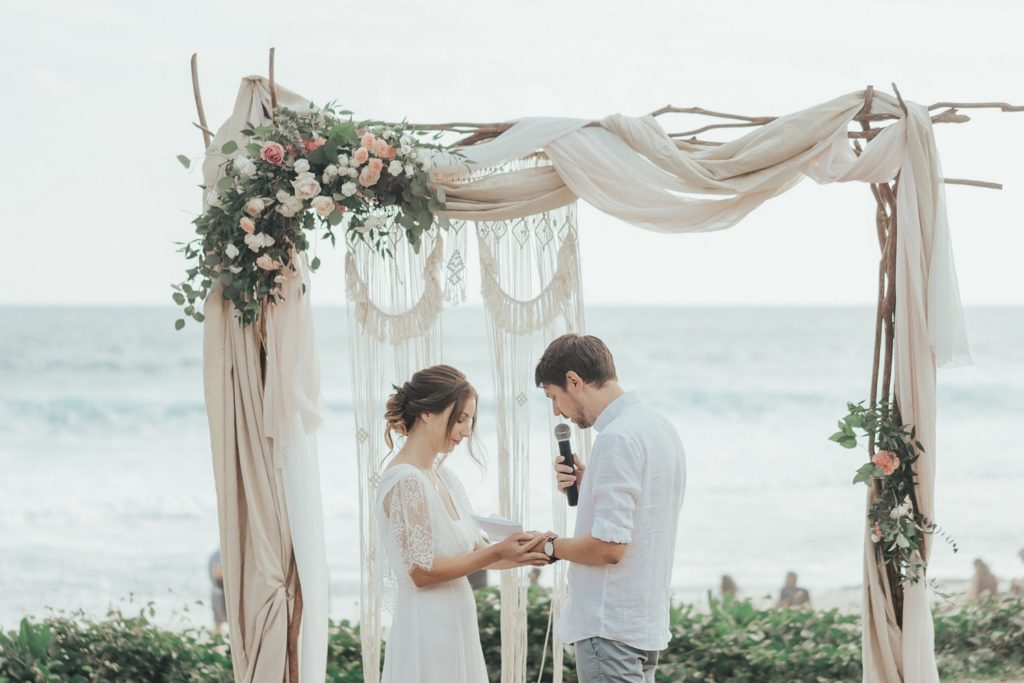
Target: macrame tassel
[[390, 327], [530, 285]]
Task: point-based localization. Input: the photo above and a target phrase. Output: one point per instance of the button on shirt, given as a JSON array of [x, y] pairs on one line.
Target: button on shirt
[[632, 492]]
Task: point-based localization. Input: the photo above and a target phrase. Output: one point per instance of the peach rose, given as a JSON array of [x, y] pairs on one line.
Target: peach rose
[[272, 153], [360, 156], [368, 140], [887, 461], [375, 165], [368, 177], [310, 145], [383, 150], [247, 225]]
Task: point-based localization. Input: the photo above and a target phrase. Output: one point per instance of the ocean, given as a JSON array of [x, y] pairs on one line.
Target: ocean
[[106, 484]]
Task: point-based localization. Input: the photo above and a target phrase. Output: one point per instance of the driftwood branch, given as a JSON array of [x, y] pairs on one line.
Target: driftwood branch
[[273, 87], [207, 135]]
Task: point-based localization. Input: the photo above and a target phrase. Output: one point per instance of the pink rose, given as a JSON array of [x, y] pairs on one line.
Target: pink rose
[[272, 153], [376, 165], [368, 140], [368, 177], [382, 149], [360, 156], [267, 263], [887, 461], [247, 225], [310, 145]]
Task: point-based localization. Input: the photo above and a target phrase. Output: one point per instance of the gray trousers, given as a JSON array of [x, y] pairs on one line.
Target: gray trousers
[[599, 660]]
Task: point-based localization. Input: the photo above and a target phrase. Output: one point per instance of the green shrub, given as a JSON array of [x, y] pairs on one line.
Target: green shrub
[[78, 649], [733, 642]]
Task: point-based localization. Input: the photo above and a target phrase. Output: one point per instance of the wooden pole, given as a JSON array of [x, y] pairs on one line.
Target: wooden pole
[[207, 137], [273, 87], [294, 624]]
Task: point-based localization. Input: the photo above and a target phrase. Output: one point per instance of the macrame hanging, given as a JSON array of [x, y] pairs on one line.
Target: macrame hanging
[[394, 325], [530, 280]]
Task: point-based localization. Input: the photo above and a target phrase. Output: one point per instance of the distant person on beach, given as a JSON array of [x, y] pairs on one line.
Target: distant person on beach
[[1017, 585], [793, 595], [983, 582], [220, 610], [729, 586]]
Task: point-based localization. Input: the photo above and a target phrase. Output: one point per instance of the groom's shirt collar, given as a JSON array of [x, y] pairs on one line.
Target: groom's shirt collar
[[614, 409]]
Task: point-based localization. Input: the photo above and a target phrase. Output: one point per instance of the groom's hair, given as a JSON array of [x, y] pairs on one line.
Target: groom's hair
[[586, 355]]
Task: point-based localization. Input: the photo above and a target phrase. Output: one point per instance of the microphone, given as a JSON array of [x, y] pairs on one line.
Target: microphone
[[563, 433]]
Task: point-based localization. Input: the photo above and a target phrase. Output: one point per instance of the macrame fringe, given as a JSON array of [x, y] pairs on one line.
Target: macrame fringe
[[525, 317], [393, 328]]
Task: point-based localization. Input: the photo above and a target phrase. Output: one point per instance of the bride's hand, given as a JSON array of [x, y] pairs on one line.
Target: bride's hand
[[520, 550]]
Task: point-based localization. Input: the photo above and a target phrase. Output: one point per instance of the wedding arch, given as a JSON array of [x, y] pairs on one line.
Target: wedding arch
[[514, 186]]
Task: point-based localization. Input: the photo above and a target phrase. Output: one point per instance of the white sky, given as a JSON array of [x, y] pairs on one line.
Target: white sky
[[98, 102]]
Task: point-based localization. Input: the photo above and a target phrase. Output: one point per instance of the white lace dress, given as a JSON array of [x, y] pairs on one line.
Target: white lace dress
[[434, 636]]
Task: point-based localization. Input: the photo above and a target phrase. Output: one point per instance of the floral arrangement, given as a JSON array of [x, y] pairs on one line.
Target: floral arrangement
[[897, 527], [305, 174]]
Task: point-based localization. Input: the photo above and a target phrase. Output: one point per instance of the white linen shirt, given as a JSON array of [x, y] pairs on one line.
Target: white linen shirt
[[632, 492]]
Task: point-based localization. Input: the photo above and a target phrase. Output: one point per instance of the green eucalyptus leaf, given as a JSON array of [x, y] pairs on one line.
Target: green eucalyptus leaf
[[184, 161], [179, 323], [229, 147]]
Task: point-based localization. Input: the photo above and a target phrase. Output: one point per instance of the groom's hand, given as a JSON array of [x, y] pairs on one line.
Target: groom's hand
[[564, 473]]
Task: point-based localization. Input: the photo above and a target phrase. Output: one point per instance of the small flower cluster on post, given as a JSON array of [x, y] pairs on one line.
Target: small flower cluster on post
[[896, 526], [306, 173]]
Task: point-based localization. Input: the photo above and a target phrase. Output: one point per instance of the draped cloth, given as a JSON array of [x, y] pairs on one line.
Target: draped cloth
[[631, 169], [264, 405]]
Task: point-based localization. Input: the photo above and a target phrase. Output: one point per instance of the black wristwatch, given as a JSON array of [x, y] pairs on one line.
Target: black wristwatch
[[549, 549]]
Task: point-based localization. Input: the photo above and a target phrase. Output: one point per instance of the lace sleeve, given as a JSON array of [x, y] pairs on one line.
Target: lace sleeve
[[405, 507]]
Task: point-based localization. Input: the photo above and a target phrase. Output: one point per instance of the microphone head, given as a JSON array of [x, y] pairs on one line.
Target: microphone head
[[563, 432]]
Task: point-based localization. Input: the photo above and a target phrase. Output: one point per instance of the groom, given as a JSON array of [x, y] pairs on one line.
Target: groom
[[621, 552]]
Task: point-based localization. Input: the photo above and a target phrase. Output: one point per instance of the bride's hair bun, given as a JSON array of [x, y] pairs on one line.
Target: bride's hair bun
[[431, 390], [395, 412]]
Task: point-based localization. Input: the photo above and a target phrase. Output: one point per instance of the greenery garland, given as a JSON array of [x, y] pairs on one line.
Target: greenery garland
[[306, 173]]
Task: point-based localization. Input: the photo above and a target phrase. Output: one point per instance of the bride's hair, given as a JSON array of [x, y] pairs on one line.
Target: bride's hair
[[430, 390]]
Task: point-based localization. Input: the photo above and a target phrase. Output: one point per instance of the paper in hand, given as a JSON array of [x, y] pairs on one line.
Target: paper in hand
[[498, 528]]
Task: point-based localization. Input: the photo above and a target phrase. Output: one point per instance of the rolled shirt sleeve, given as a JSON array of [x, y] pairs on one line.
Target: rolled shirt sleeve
[[617, 473]]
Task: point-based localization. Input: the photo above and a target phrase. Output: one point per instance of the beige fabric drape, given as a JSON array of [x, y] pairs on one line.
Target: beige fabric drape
[[256, 545]]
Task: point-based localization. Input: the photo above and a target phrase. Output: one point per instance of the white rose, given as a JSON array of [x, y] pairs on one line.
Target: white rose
[[231, 250], [282, 196], [244, 166], [324, 206], [406, 148], [410, 169], [342, 160], [387, 133], [254, 241], [348, 189], [212, 198], [291, 206], [254, 207], [302, 166], [306, 186], [395, 168], [330, 173]]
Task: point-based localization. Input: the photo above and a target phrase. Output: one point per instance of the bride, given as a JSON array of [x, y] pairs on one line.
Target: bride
[[430, 539]]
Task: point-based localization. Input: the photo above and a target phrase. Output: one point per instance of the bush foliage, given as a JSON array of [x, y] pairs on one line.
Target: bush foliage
[[732, 642]]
